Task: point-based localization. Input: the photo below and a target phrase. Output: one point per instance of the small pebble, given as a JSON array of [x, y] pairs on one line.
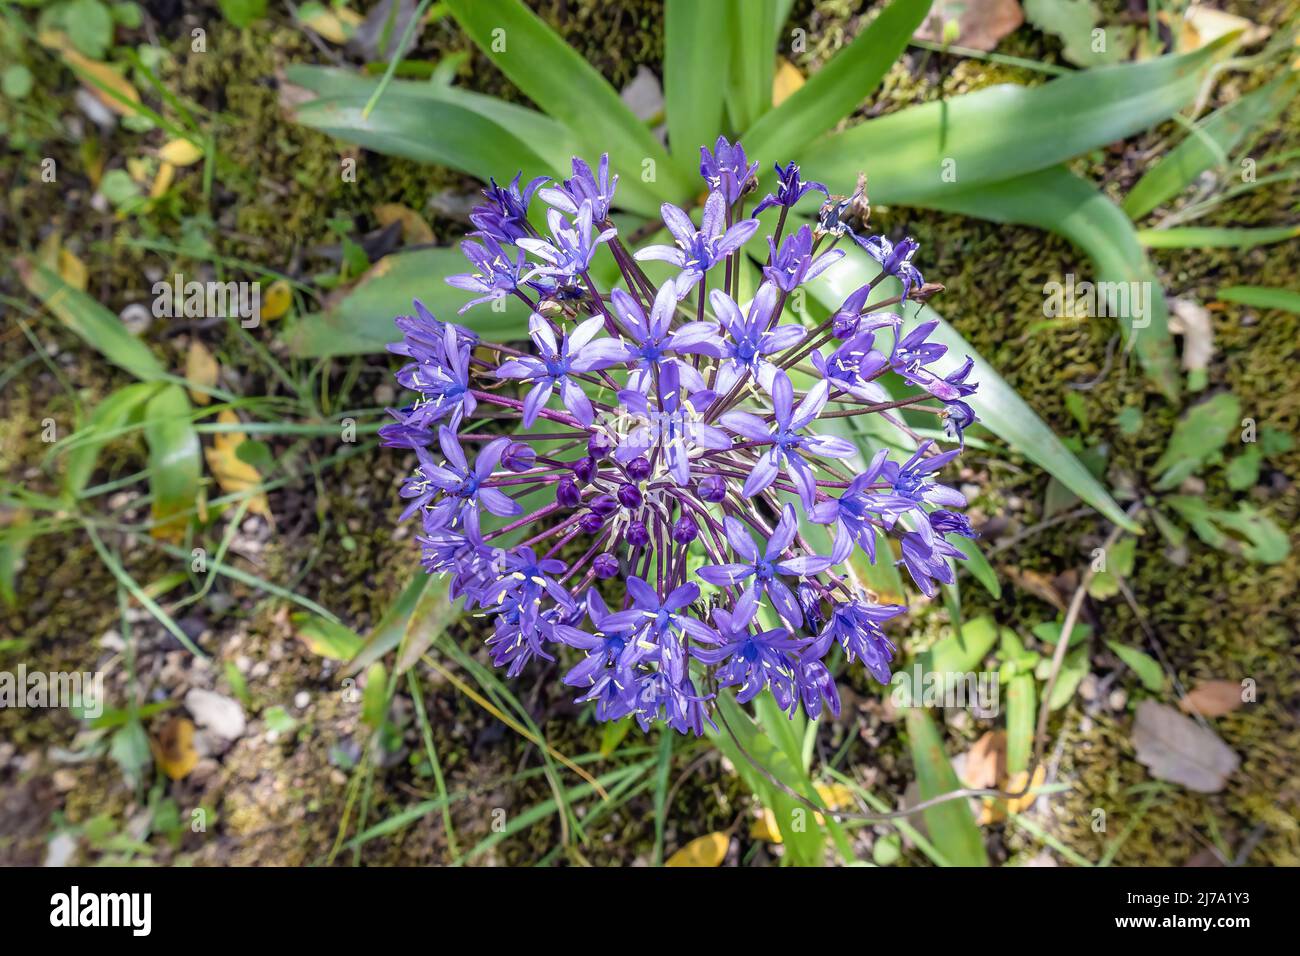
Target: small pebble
[[301, 699]]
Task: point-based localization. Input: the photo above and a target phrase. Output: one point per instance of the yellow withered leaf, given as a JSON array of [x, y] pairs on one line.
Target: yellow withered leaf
[[766, 828], [200, 369], [414, 229], [103, 81], [72, 270], [786, 80], [708, 850], [335, 25], [278, 298], [173, 748], [232, 473], [1017, 781], [163, 181], [180, 152], [836, 796]]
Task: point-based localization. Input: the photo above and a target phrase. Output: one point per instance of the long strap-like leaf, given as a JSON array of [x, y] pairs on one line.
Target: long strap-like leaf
[[555, 77]]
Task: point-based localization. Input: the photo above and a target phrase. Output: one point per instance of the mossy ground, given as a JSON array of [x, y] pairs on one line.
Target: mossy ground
[[281, 800]]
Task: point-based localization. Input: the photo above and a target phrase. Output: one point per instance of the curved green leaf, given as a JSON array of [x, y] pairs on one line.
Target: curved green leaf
[[569, 89], [951, 825], [107, 417], [541, 136], [361, 320], [425, 129], [1004, 131], [836, 90], [95, 325], [175, 460], [1214, 138], [1262, 297], [999, 408], [1057, 200], [1210, 237]]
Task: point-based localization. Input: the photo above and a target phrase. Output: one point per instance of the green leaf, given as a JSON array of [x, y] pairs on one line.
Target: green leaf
[[568, 88], [1211, 237], [752, 62], [1073, 670], [977, 564], [1049, 632], [542, 135], [374, 699], [1261, 297], [614, 733], [94, 324], [1213, 139], [963, 651], [1146, 667], [1119, 565], [1243, 470], [243, 13], [693, 95], [113, 413], [14, 539], [1057, 200], [90, 27], [326, 638], [1073, 21], [1199, 435], [16, 81], [1246, 531], [361, 320], [951, 826], [1022, 701], [404, 125], [1005, 131], [175, 460], [839, 87], [999, 408]]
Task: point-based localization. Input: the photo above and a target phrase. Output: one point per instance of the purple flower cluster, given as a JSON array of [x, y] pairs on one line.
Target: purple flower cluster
[[653, 487]]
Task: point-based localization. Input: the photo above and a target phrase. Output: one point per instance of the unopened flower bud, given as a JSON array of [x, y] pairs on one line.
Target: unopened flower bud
[[605, 566], [639, 468], [567, 494], [638, 535], [591, 522], [518, 457], [604, 505], [585, 469], [685, 530], [629, 496], [713, 488]]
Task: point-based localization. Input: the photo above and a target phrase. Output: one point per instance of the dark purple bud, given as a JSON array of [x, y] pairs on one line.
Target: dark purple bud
[[639, 468], [629, 496], [604, 505], [713, 488], [591, 522], [567, 494], [605, 566], [585, 469], [638, 535], [518, 457], [685, 530], [598, 445]]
